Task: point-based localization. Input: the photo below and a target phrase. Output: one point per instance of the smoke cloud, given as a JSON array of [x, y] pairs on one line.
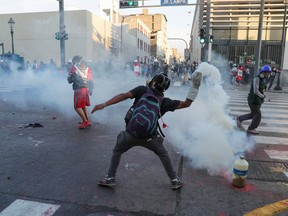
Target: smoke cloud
[[206, 133], [49, 88]]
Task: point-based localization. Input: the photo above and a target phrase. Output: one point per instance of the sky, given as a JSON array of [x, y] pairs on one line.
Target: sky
[[179, 18]]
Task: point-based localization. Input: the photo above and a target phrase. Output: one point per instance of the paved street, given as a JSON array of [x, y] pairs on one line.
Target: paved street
[[53, 170]]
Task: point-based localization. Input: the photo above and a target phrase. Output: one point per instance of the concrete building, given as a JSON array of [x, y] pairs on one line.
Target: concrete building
[[174, 56], [89, 36], [158, 25], [234, 26], [133, 25], [34, 35]]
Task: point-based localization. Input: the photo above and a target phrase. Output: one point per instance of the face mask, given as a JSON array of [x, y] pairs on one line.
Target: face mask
[[264, 75]]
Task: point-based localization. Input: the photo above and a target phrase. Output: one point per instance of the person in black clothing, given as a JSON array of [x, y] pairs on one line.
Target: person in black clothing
[[165, 68], [255, 99], [246, 75], [125, 141], [272, 77], [155, 68]]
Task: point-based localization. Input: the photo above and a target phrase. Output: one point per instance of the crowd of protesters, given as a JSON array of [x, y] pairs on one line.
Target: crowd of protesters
[[177, 72], [241, 75], [180, 72]]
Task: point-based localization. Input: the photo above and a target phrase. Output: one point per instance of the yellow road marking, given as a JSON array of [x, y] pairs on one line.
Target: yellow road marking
[[270, 209]]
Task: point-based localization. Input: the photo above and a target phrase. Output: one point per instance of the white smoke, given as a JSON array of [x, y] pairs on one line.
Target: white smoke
[[50, 89], [47, 87], [205, 132]]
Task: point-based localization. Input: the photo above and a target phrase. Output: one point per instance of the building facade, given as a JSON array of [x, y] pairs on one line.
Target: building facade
[[89, 36], [234, 25], [34, 35], [158, 40], [134, 26]]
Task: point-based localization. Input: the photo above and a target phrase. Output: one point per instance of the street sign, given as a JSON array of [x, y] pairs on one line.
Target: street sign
[[173, 2]]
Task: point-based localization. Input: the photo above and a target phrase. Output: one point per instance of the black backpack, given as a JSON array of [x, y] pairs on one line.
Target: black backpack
[[144, 118]]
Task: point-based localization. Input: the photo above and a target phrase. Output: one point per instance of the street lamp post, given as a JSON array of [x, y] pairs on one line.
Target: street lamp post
[[11, 24], [278, 87], [181, 40]]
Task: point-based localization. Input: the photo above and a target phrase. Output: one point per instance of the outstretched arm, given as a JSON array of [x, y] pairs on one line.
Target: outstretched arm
[[184, 104], [116, 99]]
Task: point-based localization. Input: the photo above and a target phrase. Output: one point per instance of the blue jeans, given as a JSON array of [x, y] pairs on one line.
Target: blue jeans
[[125, 141]]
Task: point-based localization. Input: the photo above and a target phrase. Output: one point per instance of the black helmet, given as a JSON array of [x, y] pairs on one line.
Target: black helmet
[[162, 82], [76, 59]]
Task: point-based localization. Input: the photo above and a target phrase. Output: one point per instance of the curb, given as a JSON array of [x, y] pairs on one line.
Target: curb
[[270, 209]]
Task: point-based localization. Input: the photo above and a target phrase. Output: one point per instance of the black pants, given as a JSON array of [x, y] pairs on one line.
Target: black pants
[[271, 82], [255, 115], [125, 141]]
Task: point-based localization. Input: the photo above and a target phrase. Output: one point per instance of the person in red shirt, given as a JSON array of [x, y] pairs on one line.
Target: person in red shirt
[[81, 77], [136, 68]]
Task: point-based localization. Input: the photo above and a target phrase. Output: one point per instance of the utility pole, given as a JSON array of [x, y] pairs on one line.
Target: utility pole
[[62, 33], [208, 45], [278, 86], [259, 38]]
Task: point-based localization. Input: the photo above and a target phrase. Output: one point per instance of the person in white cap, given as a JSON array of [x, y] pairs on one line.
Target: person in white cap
[[136, 68]]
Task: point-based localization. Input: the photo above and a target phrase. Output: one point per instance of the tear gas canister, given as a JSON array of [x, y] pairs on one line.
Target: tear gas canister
[[240, 171]]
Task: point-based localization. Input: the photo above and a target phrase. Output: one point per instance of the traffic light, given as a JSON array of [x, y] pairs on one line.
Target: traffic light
[[202, 36], [61, 35], [128, 3], [211, 38], [64, 35], [57, 35]]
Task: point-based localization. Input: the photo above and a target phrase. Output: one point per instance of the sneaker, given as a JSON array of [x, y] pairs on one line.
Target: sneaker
[[83, 125], [239, 124], [89, 123], [176, 183], [253, 131], [107, 181]]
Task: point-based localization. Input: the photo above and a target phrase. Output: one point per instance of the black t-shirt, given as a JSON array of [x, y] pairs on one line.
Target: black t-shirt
[[167, 104]]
